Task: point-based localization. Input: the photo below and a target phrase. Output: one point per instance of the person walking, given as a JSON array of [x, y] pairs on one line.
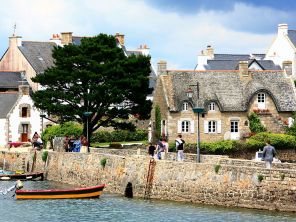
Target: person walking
[[180, 148], [268, 154]]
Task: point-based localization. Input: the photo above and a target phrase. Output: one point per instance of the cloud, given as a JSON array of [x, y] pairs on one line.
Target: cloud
[[171, 35]]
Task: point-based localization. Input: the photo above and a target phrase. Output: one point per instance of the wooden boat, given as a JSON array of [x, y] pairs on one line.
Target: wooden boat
[[23, 176], [87, 192]]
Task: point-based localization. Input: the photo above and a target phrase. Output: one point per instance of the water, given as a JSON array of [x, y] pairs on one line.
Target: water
[[116, 208]]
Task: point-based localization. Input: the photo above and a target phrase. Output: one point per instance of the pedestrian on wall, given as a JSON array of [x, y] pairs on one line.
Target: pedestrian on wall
[[180, 148], [84, 144], [159, 149], [165, 149], [66, 143], [151, 149], [268, 154]]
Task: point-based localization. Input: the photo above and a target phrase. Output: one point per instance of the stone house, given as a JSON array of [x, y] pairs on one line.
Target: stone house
[[19, 118], [227, 97]]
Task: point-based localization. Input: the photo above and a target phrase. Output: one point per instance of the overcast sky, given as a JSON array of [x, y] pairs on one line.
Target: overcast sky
[[175, 30]]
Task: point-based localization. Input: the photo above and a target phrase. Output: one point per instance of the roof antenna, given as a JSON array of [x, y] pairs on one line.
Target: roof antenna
[[14, 28]]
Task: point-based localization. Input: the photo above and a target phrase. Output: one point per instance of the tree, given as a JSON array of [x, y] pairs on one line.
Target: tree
[[95, 77]]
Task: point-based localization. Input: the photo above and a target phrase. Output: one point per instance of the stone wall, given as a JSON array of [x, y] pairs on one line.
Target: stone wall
[[228, 182]]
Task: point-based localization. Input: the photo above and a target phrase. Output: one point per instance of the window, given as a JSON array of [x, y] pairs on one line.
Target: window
[[261, 97], [234, 126], [212, 106], [287, 66], [25, 128], [185, 106], [212, 127], [185, 126], [24, 111]]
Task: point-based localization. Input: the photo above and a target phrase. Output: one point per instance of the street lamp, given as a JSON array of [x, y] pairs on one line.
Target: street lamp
[[87, 114], [42, 116], [198, 110]]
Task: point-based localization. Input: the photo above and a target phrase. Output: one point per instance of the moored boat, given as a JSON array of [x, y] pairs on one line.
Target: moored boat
[[22, 176], [86, 192]]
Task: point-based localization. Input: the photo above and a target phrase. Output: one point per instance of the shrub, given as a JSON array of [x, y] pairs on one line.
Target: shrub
[[44, 155], [217, 168], [103, 162], [255, 124], [279, 141], [115, 145], [260, 177], [282, 176], [119, 136], [219, 147], [68, 128]]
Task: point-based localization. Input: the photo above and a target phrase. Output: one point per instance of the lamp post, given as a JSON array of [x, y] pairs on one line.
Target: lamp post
[[42, 116], [197, 110], [87, 114]]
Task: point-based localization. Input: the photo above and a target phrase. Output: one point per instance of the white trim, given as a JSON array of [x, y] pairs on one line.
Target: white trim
[[219, 126], [192, 126], [179, 126], [206, 130]]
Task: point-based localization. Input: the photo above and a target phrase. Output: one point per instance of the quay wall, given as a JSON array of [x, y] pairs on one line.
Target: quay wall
[[222, 181]]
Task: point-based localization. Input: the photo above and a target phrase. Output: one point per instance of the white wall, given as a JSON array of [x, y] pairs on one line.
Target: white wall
[[2, 133]]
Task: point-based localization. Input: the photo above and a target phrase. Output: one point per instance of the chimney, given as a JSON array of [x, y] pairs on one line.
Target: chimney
[[210, 51], [144, 49], [15, 41], [243, 68], [24, 89], [66, 38], [56, 39], [161, 67], [282, 29], [120, 38]]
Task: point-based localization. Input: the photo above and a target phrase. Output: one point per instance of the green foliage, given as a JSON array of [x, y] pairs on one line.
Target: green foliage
[[218, 147], [119, 136], [68, 128], [217, 168], [282, 176], [255, 124], [103, 162], [92, 77], [292, 129], [157, 122], [260, 177], [172, 147], [44, 155], [279, 141]]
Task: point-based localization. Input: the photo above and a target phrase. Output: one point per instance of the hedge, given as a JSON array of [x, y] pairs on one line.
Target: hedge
[[119, 136]]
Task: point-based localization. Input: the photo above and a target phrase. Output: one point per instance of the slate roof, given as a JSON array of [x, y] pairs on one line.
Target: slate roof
[[76, 40], [11, 80], [7, 101], [239, 57], [292, 36], [233, 64], [227, 88], [38, 54]]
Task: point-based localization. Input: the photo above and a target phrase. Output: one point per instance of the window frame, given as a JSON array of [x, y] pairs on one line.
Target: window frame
[[185, 106], [234, 126], [24, 111], [212, 106], [185, 125]]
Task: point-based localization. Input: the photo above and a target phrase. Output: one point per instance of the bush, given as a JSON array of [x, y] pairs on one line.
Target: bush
[[68, 128], [115, 145], [219, 147], [103, 162], [217, 168], [279, 141], [119, 136], [255, 124], [44, 155]]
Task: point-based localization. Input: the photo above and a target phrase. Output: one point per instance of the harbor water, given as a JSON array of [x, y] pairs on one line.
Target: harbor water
[[111, 207]]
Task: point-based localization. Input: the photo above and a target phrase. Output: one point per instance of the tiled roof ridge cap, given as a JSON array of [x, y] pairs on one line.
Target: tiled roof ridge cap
[[230, 70]]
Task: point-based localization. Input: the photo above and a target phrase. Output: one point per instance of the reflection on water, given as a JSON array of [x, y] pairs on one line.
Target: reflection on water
[[116, 208]]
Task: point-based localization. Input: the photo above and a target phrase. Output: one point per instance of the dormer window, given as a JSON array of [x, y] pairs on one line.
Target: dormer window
[[185, 106], [212, 106]]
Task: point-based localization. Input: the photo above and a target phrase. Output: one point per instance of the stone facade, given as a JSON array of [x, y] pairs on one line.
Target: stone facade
[[227, 97], [233, 183]]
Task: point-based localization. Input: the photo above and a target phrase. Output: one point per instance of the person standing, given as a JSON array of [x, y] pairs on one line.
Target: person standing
[[268, 154], [180, 148], [164, 149], [151, 150]]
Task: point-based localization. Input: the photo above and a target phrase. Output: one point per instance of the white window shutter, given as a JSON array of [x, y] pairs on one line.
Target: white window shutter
[[192, 126], [206, 126], [219, 126], [179, 126]]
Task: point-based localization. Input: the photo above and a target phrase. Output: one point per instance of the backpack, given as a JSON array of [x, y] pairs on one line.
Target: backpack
[[161, 145], [180, 145]]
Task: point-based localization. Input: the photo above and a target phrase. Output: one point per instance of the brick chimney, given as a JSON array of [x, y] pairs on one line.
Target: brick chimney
[[210, 51], [161, 67], [15, 41], [56, 39], [66, 38], [120, 38], [243, 68], [24, 89], [282, 29]]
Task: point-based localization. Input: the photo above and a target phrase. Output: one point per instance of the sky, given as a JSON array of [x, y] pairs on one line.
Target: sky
[[175, 30]]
